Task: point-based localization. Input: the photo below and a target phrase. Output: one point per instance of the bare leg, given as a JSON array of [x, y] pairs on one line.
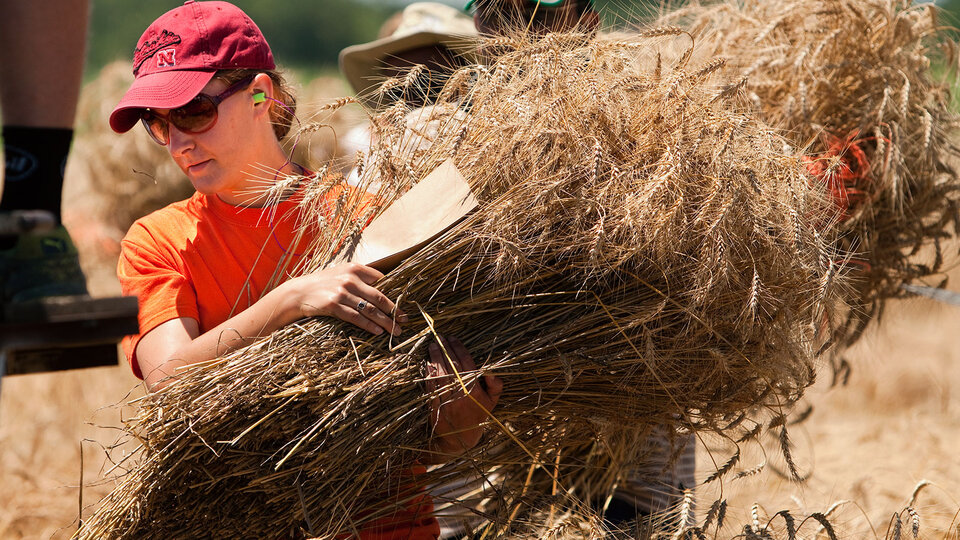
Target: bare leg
[[42, 49]]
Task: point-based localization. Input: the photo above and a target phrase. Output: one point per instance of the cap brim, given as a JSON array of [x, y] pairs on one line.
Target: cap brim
[[359, 63], [162, 90]]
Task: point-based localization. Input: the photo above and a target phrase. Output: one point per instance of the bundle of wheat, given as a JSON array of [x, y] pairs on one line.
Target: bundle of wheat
[[643, 255], [851, 82]]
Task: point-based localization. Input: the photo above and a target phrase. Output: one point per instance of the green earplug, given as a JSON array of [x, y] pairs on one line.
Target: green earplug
[[259, 97]]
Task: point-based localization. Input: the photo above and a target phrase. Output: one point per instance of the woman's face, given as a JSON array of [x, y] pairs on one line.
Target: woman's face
[[224, 160]]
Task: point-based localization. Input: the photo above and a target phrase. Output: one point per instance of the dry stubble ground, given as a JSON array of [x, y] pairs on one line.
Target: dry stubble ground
[[895, 425]]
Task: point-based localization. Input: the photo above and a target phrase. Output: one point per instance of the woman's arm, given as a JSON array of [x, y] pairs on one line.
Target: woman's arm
[[335, 292]]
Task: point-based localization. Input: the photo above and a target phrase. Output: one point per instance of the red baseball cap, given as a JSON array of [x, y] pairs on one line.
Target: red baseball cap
[[182, 50]]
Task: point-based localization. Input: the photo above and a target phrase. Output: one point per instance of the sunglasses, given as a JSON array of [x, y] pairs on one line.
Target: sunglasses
[[197, 116]]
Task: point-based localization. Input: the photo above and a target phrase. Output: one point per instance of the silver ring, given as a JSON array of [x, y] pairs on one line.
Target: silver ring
[[361, 305]]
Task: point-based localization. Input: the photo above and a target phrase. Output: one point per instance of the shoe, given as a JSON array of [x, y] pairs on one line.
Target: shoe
[[41, 265]]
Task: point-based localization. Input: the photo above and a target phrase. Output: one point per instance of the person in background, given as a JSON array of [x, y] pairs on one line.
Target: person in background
[[502, 17], [207, 88], [429, 33], [436, 36]]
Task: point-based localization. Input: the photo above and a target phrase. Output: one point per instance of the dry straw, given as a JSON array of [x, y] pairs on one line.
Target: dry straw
[[854, 78], [646, 253]]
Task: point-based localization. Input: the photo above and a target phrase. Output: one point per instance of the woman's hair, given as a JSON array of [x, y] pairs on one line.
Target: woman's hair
[[281, 117]]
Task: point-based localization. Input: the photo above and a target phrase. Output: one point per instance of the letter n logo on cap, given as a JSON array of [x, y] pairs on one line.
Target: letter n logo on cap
[[166, 58]]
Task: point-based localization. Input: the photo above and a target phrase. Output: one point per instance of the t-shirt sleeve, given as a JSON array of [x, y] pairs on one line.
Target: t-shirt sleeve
[[158, 281]]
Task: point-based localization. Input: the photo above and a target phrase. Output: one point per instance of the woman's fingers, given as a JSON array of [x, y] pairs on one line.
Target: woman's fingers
[[460, 354], [346, 292], [436, 356], [457, 417], [441, 356], [441, 374], [375, 306], [368, 274], [464, 362], [453, 351], [351, 315], [371, 296], [494, 389], [432, 383]]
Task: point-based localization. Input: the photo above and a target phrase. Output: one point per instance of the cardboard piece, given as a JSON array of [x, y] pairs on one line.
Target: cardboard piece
[[430, 208]]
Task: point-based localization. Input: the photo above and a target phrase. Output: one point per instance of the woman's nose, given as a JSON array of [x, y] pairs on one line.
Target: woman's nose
[[180, 142]]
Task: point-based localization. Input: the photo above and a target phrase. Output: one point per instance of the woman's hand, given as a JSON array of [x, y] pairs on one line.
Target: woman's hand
[[347, 293], [456, 417]]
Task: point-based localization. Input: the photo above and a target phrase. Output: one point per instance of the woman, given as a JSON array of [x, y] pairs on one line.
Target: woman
[[206, 87]]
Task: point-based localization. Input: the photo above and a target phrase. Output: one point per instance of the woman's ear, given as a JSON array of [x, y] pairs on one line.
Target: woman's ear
[[262, 87]]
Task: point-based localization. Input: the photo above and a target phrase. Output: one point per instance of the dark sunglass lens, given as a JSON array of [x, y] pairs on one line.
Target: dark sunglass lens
[[156, 127], [196, 116]]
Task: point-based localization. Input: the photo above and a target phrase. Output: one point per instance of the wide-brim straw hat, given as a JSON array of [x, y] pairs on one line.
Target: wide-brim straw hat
[[421, 24]]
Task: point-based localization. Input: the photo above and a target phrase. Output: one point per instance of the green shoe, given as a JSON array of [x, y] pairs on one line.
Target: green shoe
[[41, 265]]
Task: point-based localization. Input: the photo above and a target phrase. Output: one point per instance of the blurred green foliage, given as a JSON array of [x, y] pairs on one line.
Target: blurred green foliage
[[308, 34], [950, 13], [305, 34]]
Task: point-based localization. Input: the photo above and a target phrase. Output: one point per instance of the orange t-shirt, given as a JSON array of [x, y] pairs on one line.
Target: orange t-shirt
[[207, 260], [414, 520], [204, 259]]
